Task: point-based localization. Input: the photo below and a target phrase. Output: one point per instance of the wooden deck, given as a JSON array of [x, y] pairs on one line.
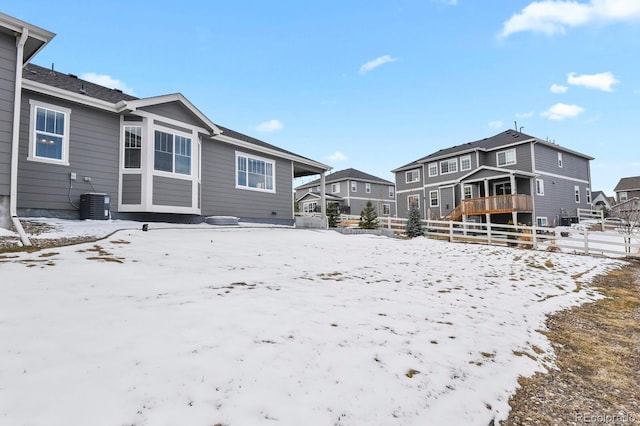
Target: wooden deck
[[493, 205]]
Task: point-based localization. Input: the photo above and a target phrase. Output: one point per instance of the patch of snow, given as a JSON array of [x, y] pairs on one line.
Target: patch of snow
[[194, 324]]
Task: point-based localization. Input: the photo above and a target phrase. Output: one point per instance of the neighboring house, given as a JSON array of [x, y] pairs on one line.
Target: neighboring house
[[154, 158], [350, 190], [627, 188], [507, 177], [601, 201]]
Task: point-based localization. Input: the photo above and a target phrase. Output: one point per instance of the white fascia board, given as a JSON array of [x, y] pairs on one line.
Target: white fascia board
[[275, 153], [449, 155], [553, 175], [13, 24], [174, 97], [78, 98], [163, 119], [509, 145], [561, 148]]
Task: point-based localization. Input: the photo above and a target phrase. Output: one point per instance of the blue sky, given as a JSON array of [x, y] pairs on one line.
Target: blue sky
[[372, 84]]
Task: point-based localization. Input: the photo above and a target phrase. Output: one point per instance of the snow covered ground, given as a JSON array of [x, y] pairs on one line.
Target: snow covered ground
[[199, 325]]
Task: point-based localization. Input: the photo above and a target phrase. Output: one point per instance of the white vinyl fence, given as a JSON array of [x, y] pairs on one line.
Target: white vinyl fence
[[613, 243]]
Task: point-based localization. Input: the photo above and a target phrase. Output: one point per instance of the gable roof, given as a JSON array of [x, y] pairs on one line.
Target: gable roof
[[506, 138], [347, 174], [114, 100], [628, 184]]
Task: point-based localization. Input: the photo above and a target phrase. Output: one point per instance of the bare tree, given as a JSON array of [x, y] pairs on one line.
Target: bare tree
[[629, 212]]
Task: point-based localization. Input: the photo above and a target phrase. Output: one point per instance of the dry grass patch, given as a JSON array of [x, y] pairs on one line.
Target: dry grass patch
[[597, 359]]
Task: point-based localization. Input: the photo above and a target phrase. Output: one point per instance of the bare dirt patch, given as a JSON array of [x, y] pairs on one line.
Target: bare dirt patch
[[598, 358]]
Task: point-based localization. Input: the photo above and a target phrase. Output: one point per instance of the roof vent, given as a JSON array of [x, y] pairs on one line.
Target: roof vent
[[73, 76], [117, 90], [83, 90]]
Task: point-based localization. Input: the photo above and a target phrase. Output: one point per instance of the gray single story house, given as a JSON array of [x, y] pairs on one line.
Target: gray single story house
[[66, 142]]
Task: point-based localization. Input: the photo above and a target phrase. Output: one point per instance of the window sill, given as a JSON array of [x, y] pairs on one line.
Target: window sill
[[48, 161]]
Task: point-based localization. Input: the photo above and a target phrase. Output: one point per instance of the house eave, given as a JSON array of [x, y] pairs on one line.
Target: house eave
[[79, 98], [17, 26], [136, 104], [273, 152]]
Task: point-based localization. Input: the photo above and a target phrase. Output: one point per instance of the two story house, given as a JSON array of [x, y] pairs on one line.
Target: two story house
[[627, 188], [349, 189], [510, 176], [152, 158]]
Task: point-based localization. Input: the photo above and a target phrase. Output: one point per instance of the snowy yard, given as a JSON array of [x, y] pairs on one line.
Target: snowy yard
[[258, 326]]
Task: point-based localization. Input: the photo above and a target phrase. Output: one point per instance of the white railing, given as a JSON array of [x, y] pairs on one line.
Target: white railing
[[572, 240]]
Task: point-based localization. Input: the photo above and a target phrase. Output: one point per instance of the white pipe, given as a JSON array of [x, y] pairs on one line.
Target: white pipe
[[15, 142]]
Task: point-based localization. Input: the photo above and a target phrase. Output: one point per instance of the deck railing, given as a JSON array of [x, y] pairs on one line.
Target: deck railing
[[497, 204]]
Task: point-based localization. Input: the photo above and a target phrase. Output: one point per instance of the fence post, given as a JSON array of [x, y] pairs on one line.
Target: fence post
[[450, 231], [489, 232], [586, 242], [534, 238]]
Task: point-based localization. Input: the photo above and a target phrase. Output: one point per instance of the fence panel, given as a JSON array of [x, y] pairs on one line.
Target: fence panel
[[534, 237]]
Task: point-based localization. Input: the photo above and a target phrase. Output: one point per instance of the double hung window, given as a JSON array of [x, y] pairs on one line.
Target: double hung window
[[49, 133], [255, 173], [506, 158], [172, 153]]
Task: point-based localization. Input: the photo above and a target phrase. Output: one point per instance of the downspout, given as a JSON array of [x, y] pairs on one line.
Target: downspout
[[15, 141]]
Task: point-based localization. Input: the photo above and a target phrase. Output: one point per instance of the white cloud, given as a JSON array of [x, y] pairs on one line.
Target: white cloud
[[106, 81], [553, 16], [561, 111], [557, 88], [338, 156], [602, 81], [376, 63], [497, 124], [270, 126], [525, 114]]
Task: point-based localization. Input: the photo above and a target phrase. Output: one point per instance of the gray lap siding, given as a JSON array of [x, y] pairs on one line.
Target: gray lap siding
[[131, 189], [93, 152], [7, 91], [171, 192], [220, 197]]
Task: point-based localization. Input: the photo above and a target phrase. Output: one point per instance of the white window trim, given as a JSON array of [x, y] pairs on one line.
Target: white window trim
[[450, 161], [461, 161], [392, 191], [337, 185], [542, 221], [417, 173], [437, 198], [306, 205], [388, 208], [151, 140], [464, 188], [409, 197], [539, 187], [367, 188], [560, 160], [255, 157], [124, 148], [624, 196], [435, 167], [64, 161], [577, 194], [354, 186], [515, 160]]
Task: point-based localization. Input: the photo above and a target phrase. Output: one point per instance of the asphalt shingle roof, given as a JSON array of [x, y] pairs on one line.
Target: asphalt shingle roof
[[347, 174], [501, 139], [74, 84], [628, 184]]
